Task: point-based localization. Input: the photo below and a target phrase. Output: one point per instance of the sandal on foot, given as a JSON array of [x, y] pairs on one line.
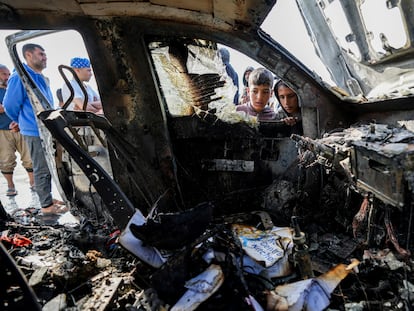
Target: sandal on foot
[[32, 210], [11, 192], [55, 209], [58, 202]]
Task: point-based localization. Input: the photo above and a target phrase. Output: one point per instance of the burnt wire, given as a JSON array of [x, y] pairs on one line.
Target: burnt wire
[[410, 219], [268, 284], [71, 178], [238, 264], [362, 288], [97, 212]]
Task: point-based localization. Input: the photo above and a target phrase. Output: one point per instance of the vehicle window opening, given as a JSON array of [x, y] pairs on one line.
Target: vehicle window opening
[[87, 131], [192, 76], [193, 79], [383, 37]]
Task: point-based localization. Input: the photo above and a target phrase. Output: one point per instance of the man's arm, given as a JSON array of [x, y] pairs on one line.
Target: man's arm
[[14, 127], [93, 106], [14, 97], [90, 106], [96, 104]]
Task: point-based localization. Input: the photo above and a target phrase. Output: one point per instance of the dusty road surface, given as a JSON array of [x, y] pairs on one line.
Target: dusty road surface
[[24, 198]]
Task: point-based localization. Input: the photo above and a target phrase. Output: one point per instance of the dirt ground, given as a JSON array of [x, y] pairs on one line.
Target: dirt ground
[[23, 199]]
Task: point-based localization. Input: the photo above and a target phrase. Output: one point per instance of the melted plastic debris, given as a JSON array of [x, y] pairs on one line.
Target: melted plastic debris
[[311, 294], [68, 219], [200, 288]]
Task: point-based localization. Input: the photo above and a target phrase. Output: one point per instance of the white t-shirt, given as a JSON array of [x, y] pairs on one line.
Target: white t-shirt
[[92, 94]]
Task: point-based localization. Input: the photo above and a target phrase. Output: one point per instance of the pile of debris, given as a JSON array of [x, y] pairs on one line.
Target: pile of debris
[[341, 252], [243, 262]]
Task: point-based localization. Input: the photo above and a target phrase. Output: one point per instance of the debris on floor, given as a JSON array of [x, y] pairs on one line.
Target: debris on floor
[[348, 250]]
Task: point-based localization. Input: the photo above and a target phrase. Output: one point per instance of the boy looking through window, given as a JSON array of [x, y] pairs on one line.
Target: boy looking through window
[[260, 90]]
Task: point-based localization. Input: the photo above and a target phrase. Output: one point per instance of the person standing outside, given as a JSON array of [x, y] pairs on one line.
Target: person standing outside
[[260, 90], [11, 141], [225, 57], [59, 97], [244, 98], [82, 68], [18, 107]]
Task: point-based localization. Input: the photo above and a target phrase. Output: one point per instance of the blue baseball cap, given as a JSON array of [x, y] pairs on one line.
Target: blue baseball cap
[[78, 62]]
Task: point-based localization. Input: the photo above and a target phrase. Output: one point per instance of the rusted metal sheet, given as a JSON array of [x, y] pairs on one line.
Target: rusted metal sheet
[[247, 13]]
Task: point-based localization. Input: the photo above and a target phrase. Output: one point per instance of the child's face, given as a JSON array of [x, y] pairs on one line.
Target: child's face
[[288, 99], [259, 96]]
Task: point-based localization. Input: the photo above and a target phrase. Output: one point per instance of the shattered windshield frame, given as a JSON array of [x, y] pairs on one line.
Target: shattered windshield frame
[[193, 80], [368, 58]]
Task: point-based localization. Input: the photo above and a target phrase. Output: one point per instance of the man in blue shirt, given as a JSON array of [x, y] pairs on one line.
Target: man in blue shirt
[[11, 141], [18, 107]]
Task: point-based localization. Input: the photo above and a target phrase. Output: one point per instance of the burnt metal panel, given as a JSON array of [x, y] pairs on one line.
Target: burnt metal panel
[[382, 172], [249, 13], [119, 205], [327, 47]]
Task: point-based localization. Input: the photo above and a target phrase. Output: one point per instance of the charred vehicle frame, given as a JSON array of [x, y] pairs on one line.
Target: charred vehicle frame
[[203, 209]]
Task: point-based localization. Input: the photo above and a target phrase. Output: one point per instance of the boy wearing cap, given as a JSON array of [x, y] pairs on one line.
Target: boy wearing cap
[[82, 68]]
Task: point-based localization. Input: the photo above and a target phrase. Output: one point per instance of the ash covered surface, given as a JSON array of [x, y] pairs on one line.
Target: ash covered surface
[[344, 249]]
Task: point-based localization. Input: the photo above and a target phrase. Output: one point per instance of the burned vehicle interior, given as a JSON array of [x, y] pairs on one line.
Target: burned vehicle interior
[[183, 202]]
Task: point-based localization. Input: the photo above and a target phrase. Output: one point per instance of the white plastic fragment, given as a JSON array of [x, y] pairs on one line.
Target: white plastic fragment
[[56, 303], [148, 254], [200, 288], [311, 294], [68, 219]]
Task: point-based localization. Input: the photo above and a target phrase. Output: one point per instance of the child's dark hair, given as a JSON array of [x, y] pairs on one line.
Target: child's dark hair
[[261, 76], [278, 85]]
